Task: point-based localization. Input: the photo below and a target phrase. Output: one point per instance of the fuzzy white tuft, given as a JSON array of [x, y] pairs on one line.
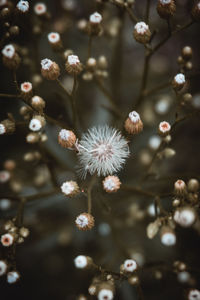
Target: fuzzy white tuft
[[95, 18], [8, 51], [80, 261], [54, 37], [102, 150], [73, 60], [82, 221], [180, 78], [40, 8], [46, 64], [141, 27], [105, 294], [23, 6]]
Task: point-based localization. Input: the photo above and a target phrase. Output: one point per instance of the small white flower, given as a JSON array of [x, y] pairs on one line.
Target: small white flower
[[73, 59], [168, 239], [2, 129], [134, 116], [64, 134], [194, 294], [82, 221], [7, 240], [23, 6], [26, 87], [54, 37], [12, 277], [8, 51], [103, 150], [46, 63], [3, 267], [185, 216], [141, 27], [80, 262], [35, 125], [40, 8], [164, 127], [105, 294], [69, 188], [130, 265], [95, 18], [180, 78]]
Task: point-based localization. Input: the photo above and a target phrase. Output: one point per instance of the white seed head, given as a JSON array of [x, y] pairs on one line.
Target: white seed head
[[46, 63], [7, 240], [8, 51], [54, 37], [4, 176], [111, 183], [23, 6], [134, 117], [73, 60], [82, 221], [69, 187], [194, 294], [3, 267], [2, 129], [95, 18], [35, 124], [164, 2], [141, 27], [105, 294], [168, 239], [26, 87], [12, 277], [185, 217], [180, 78], [80, 262], [40, 8], [164, 127], [103, 150], [64, 134], [130, 265]]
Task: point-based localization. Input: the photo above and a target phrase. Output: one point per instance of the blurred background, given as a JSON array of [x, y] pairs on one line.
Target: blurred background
[[46, 259]]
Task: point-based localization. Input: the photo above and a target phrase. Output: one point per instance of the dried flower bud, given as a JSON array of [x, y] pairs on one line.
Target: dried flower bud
[[166, 8], [70, 188], [152, 228], [142, 33], [133, 124], [82, 25], [26, 90], [13, 277], [193, 294], [50, 70], [196, 12], [91, 63], [92, 289], [187, 52], [24, 232], [82, 262], [22, 6], [66, 138], [178, 81], [129, 266], [40, 9], [176, 202], [7, 239], [102, 62], [10, 57], [55, 41], [37, 123], [3, 267], [167, 236], [133, 280], [73, 65], [185, 216], [37, 103], [111, 184], [180, 187], [105, 291], [193, 185], [164, 128], [85, 221], [7, 127], [94, 25], [168, 152], [32, 138]]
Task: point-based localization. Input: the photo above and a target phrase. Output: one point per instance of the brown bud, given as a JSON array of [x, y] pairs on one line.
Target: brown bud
[[50, 70], [166, 8], [84, 221]]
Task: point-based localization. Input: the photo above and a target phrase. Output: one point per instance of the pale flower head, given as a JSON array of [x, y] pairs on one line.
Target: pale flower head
[[102, 150]]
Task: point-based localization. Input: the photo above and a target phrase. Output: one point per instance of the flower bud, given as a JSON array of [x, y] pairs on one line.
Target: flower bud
[[55, 41], [13, 277], [193, 185], [40, 9], [7, 127], [10, 57], [32, 138], [193, 294], [180, 187], [196, 12], [164, 128], [66, 138], [152, 229], [185, 216], [82, 262], [37, 123], [167, 236], [166, 8], [187, 52], [7, 239], [70, 188], [129, 266], [37, 103], [26, 90], [50, 70], [178, 81], [133, 124], [73, 65], [94, 25], [142, 33], [105, 291], [22, 6], [111, 184], [84, 221]]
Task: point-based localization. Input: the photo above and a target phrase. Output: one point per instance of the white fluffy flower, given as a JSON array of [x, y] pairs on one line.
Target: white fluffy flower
[[194, 294], [8, 51], [73, 60], [102, 150], [134, 117], [80, 262], [23, 6], [54, 37], [95, 18], [46, 63], [35, 124], [40, 8], [141, 27], [82, 221], [12, 277], [180, 78], [130, 265], [105, 294]]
